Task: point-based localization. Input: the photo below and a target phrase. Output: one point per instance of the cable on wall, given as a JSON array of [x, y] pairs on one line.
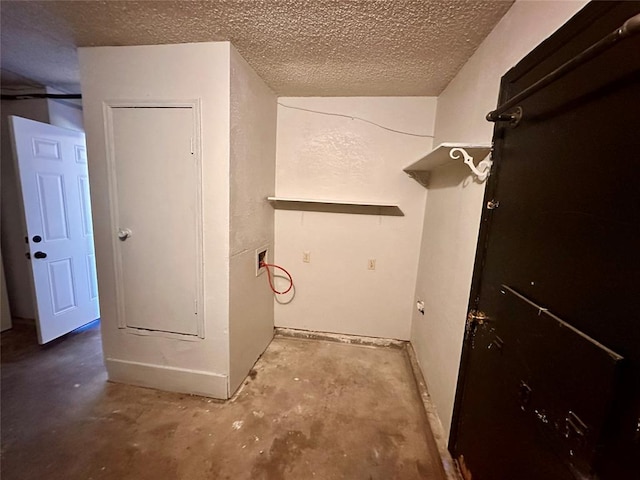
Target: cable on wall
[[285, 300], [353, 117], [277, 292]]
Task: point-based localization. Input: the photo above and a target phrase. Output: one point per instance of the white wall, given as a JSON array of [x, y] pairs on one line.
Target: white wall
[[454, 205], [165, 72], [252, 175], [65, 113], [337, 158], [17, 268]]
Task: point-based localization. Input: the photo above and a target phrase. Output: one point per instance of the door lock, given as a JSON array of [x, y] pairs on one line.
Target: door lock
[[476, 316]]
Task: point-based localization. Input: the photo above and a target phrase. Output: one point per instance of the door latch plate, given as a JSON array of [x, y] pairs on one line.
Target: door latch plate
[[476, 316]]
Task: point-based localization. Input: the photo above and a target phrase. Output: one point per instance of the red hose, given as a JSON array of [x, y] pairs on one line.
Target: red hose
[[267, 265]]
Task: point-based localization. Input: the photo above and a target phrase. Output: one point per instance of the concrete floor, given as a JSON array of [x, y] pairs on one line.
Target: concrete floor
[[310, 410]]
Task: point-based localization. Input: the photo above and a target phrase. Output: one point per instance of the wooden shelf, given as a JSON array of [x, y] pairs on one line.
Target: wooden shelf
[[335, 206], [329, 202], [439, 156]]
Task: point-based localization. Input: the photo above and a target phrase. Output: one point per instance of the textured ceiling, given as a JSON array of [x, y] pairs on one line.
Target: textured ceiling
[[299, 47]]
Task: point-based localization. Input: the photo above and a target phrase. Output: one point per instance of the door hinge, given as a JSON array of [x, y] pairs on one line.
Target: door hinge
[[476, 317], [191, 146], [493, 204]]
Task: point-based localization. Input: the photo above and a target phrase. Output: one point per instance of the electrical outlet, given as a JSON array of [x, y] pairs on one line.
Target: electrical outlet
[[420, 306], [306, 257], [371, 264], [261, 256]]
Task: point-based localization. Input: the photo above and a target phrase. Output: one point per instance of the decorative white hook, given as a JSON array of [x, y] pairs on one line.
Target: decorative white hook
[[481, 171]]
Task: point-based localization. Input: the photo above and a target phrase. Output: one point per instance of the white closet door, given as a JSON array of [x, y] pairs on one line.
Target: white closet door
[[155, 200]]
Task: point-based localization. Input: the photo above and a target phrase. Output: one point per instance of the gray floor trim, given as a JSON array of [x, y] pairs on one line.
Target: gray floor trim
[[450, 466]]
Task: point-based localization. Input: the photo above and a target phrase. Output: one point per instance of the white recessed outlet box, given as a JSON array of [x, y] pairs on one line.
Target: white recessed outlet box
[[306, 257], [371, 264], [262, 255]]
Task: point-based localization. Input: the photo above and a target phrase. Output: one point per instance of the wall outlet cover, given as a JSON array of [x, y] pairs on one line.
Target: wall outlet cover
[[262, 255]]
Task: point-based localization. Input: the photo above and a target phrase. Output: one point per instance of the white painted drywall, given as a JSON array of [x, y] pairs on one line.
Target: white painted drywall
[[252, 178], [16, 266], [165, 72], [337, 158], [453, 209], [65, 113]]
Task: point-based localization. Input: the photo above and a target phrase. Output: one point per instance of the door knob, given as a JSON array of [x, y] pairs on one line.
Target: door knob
[[40, 255], [124, 233]]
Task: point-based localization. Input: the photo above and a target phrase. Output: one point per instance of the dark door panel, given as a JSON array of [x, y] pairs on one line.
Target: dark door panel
[[550, 384], [566, 379], [553, 394]]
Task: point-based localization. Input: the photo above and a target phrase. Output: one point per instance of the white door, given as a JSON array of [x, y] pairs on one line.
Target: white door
[[52, 164], [155, 201]]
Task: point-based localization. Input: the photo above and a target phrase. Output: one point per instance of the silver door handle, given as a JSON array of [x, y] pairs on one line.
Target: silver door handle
[[123, 234]]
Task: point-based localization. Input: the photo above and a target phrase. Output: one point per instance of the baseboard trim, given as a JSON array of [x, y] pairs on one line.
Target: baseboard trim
[[340, 338], [450, 466], [172, 379]]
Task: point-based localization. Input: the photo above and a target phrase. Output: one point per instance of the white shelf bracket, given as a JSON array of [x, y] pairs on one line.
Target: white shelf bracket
[[481, 171]]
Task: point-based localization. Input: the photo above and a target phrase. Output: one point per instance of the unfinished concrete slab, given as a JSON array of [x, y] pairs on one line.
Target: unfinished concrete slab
[[310, 409]]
